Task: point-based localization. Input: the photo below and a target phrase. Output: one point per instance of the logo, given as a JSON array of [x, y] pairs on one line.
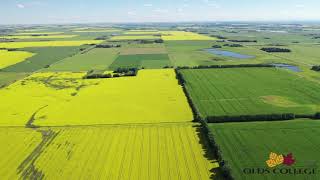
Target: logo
[[279, 164], [275, 160]]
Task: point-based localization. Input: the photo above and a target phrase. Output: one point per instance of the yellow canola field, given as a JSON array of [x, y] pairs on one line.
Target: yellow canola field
[[47, 43], [38, 37], [21, 100], [8, 58], [124, 152], [153, 96], [17, 144], [134, 37], [183, 36]]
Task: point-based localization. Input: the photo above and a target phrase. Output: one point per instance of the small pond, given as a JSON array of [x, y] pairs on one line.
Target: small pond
[[288, 66], [228, 54]]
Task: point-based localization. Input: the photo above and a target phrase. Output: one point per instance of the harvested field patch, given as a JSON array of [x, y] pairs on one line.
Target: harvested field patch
[[278, 101]]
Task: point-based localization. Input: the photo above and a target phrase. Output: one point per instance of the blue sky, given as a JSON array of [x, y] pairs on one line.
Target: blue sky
[[85, 11]]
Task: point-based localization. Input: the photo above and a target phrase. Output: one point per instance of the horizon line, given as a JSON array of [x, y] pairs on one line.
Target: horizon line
[[173, 22]]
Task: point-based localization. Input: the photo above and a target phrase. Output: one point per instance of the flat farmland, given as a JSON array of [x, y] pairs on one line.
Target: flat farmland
[[97, 59], [250, 91], [17, 145], [184, 36], [8, 58], [7, 78], [47, 43], [152, 61], [134, 51], [189, 53], [37, 33], [58, 99], [248, 145], [43, 57], [38, 37], [142, 32], [135, 37], [155, 151]]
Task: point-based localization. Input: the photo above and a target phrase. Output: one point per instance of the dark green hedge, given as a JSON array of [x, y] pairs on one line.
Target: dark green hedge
[[315, 68], [223, 164], [227, 66]]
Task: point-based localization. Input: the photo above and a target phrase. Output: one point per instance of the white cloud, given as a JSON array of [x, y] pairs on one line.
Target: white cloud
[[21, 6], [161, 11], [131, 13]]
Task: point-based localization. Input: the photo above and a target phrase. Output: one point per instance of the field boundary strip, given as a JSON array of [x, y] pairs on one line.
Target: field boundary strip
[[110, 125]]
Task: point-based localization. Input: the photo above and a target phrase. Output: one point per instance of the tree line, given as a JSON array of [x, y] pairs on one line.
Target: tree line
[[119, 72], [274, 49], [226, 66], [316, 68], [108, 46]]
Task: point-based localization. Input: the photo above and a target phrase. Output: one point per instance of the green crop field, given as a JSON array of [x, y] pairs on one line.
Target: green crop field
[[189, 53], [7, 78], [248, 145], [97, 59], [44, 57], [141, 60], [251, 91]]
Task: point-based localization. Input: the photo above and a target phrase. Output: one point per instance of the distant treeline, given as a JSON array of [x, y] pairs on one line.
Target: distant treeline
[[108, 46], [233, 45], [102, 38], [226, 66], [216, 46], [243, 41], [10, 49], [273, 49], [219, 37], [316, 68], [120, 72]]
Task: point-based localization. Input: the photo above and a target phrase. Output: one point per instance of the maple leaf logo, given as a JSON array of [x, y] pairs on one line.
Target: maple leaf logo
[[288, 159]]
